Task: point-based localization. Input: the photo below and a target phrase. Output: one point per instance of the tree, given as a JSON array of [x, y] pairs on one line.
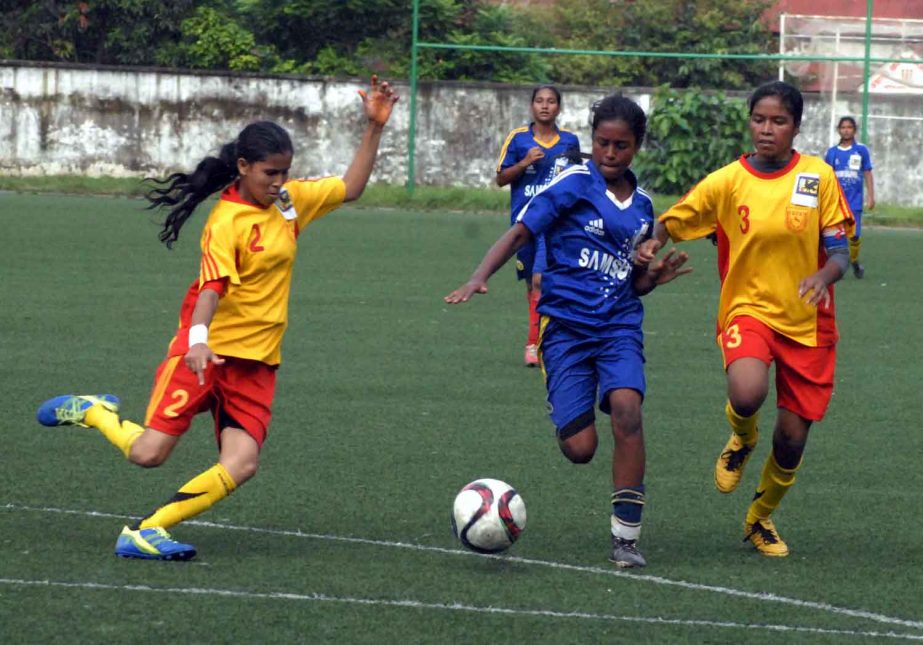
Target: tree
[[120, 32], [358, 37], [689, 134]]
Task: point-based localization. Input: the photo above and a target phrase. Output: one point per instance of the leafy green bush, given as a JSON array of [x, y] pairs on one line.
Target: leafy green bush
[[689, 134]]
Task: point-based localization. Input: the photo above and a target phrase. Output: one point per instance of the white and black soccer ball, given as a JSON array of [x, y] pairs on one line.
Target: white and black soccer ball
[[488, 516]]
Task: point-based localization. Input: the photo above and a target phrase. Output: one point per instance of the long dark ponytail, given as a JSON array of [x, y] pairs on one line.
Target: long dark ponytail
[[181, 192]]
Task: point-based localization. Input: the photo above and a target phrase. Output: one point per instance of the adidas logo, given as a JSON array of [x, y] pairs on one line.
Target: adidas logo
[[595, 226]]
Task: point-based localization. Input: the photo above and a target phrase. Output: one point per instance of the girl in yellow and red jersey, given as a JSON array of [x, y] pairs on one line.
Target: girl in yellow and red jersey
[[224, 356], [782, 226]]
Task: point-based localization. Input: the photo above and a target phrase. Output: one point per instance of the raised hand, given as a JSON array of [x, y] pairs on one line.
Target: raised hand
[[378, 101]]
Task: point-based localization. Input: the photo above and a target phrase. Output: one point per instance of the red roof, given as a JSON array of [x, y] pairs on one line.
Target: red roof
[[853, 8]]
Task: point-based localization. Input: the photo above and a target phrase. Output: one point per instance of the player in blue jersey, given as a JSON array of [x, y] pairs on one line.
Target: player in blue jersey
[[853, 166], [530, 158], [593, 216]]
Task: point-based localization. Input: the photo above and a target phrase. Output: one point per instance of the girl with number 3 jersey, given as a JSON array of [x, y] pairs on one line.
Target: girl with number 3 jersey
[[782, 226]]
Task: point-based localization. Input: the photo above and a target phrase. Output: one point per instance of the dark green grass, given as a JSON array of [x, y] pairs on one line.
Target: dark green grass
[[448, 198], [388, 402]]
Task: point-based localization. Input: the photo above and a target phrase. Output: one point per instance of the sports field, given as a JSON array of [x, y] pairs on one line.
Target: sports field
[[389, 402]]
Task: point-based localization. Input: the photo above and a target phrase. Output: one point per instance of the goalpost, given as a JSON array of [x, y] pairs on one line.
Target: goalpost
[[848, 62]]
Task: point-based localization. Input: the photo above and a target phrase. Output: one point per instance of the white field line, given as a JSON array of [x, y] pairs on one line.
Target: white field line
[[415, 604], [658, 580]]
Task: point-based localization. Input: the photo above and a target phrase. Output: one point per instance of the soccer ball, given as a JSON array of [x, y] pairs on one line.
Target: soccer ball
[[488, 516]]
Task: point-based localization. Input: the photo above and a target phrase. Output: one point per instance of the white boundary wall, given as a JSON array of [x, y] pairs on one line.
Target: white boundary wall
[[69, 119]]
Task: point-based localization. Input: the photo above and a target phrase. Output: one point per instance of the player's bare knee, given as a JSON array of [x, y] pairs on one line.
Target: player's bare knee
[[147, 458], [577, 439], [578, 454], [241, 470], [746, 403], [625, 413]]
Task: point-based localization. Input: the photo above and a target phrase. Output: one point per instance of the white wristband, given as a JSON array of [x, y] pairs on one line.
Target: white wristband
[[198, 334]]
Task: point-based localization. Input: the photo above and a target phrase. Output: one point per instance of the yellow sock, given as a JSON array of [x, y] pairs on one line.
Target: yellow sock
[[855, 243], [774, 483], [743, 427], [199, 494], [121, 434]]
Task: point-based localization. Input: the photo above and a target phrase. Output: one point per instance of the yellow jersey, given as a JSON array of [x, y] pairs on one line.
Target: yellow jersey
[[251, 249], [768, 228]]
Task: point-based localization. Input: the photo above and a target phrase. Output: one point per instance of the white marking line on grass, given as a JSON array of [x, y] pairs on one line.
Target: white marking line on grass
[[416, 604], [694, 586]]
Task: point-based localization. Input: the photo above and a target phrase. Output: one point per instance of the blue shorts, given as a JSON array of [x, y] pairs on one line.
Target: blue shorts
[[531, 258], [581, 369]]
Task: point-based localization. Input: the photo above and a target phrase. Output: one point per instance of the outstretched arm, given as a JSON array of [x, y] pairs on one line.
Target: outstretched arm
[[378, 103], [498, 255]]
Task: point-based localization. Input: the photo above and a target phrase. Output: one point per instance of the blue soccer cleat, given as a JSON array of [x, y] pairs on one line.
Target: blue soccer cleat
[[70, 409], [152, 544]]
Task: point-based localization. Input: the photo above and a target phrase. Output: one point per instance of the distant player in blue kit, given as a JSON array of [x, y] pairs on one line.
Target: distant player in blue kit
[[593, 217], [530, 158], [852, 164]]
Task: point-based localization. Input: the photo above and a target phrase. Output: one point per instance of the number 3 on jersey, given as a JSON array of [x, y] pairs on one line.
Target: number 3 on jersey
[[744, 211], [732, 337]]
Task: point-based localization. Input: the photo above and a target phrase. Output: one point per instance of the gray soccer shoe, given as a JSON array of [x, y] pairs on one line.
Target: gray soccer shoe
[[625, 554]]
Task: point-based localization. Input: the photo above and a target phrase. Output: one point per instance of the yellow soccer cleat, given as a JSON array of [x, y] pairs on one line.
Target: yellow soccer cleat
[[763, 535], [731, 462]]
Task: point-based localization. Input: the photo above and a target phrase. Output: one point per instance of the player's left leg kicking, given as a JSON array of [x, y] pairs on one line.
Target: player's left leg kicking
[[177, 398]]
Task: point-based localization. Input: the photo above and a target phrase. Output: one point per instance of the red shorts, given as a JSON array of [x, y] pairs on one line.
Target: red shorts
[[238, 393], [804, 375]]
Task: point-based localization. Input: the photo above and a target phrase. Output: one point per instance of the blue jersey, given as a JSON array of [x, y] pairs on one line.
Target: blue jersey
[[590, 240], [850, 165], [537, 176]]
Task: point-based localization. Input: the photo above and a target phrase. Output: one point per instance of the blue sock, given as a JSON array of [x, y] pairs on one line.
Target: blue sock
[[627, 504]]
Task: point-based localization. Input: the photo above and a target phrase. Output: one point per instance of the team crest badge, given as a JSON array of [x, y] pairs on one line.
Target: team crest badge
[[796, 219], [285, 205], [806, 190]]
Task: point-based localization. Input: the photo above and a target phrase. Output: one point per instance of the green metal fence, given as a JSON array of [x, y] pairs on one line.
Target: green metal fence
[[416, 46]]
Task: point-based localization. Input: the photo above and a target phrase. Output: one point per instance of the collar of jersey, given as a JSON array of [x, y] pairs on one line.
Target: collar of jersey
[[598, 177], [557, 136], [781, 172], [232, 194]]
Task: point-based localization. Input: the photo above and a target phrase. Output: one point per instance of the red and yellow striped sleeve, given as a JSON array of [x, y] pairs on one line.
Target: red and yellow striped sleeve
[[219, 254]]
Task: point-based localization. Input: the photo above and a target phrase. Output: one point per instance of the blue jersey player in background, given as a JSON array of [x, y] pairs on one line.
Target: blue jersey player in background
[[530, 158], [853, 166], [593, 217]]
